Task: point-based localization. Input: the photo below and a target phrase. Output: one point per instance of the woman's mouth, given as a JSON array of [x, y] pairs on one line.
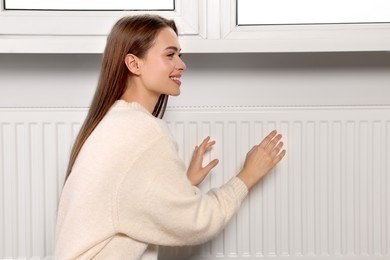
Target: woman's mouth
[[176, 80]]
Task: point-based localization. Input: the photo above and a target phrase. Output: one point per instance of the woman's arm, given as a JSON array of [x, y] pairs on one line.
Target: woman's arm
[[157, 204]]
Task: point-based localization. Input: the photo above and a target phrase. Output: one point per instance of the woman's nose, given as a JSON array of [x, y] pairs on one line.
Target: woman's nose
[[181, 65]]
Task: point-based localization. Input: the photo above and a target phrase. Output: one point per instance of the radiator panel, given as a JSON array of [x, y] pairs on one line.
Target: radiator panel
[[327, 199]]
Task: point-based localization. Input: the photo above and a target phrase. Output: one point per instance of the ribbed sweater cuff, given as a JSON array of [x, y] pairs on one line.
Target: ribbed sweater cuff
[[239, 187]]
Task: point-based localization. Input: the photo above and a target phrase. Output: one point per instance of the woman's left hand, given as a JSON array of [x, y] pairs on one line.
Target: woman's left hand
[[196, 172]]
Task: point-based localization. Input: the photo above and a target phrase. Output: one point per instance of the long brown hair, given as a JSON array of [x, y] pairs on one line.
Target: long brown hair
[[131, 34]]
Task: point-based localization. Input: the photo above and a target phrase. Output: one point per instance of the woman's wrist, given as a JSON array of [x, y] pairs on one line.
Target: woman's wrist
[[247, 178]]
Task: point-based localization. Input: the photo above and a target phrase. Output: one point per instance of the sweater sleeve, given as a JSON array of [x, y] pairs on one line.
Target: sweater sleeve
[[157, 204]]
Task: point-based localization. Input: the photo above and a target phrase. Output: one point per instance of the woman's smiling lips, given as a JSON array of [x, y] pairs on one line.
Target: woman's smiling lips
[[176, 79]]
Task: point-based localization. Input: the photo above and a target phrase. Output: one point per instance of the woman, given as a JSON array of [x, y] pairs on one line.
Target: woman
[[126, 189]]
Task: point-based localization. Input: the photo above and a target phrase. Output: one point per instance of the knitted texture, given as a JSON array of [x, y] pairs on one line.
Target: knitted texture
[[128, 191]]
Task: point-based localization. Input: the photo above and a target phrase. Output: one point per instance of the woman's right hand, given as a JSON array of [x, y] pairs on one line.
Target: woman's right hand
[[261, 159]]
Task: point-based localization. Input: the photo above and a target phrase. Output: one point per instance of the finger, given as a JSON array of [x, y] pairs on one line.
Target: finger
[[277, 149], [209, 145], [271, 145], [200, 150], [204, 142], [211, 165], [205, 146], [279, 157], [267, 139], [199, 147]]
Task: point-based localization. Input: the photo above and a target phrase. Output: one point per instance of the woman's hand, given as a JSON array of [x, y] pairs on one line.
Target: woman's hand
[[196, 172], [261, 159]]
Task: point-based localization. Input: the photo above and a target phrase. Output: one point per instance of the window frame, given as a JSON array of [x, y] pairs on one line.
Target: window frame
[[304, 38], [22, 6], [297, 13], [79, 31]]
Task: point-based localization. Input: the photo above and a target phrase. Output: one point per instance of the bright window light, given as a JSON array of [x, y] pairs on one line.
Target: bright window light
[[267, 12], [89, 5]]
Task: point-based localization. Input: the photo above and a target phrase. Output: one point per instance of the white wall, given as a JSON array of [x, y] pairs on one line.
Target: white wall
[[333, 109], [211, 79]]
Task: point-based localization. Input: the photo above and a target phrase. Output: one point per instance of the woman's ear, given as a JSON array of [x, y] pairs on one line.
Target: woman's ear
[[133, 63]]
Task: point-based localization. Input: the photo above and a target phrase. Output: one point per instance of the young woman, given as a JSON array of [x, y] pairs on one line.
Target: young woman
[[126, 189]]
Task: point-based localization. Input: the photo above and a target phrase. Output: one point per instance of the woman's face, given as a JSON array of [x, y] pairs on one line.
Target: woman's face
[[162, 66]]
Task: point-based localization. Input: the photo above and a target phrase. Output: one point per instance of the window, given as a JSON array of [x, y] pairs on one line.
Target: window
[[284, 12], [204, 26], [161, 5]]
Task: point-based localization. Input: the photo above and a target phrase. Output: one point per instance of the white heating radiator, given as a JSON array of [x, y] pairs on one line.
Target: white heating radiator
[[328, 199]]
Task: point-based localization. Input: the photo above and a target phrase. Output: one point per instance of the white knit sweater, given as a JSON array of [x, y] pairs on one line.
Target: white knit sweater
[[128, 191]]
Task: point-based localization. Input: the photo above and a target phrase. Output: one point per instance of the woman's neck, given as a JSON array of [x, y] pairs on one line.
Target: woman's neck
[[132, 94]]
